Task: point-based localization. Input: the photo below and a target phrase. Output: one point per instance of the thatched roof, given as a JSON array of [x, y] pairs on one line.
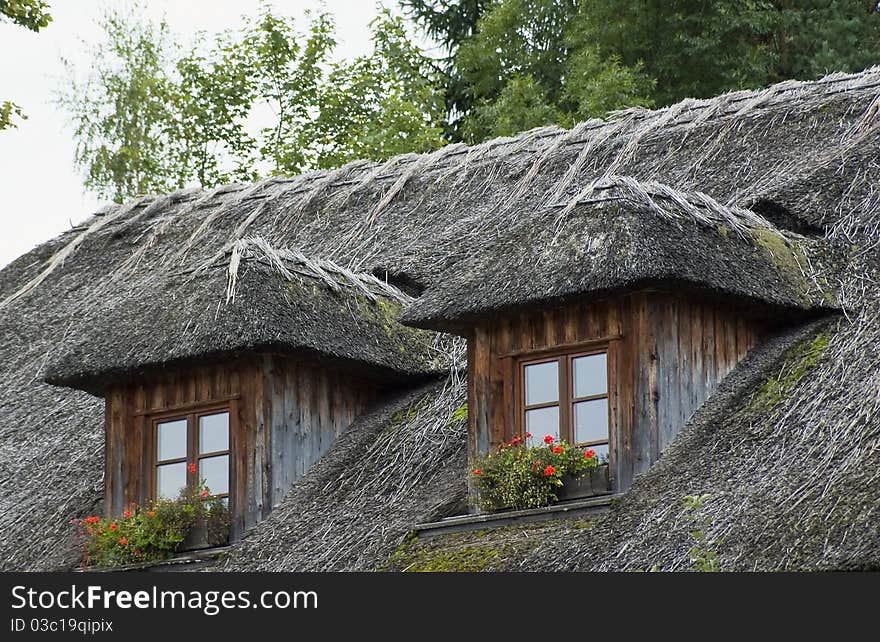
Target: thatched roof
[[800, 156], [264, 301], [624, 234]]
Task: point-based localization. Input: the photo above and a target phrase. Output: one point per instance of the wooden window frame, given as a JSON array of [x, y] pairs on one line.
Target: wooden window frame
[[191, 415], [563, 356]]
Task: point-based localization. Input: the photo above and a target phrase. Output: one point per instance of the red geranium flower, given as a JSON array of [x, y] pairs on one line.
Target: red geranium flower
[[114, 527], [205, 493], [528, 434], [549, 471], [192, 468], [151, 513], [590, 454], [478, 471], [123, 540], [515, 441], [557, 449], [127, 514], [548, 439]]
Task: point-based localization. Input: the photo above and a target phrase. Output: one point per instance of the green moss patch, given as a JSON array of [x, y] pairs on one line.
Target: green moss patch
[[798, 362], [476, 551], [790, 258]]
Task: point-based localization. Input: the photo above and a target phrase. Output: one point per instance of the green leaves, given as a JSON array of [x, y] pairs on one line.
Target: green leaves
[[30, 14], [153, 118], [518, 476], [8, 112], [122, 113], [703, 554], [534, 63], [518, 64]]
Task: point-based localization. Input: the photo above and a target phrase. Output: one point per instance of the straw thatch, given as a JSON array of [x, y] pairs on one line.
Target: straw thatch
[[767, 196], [264, 301], [620, 233]]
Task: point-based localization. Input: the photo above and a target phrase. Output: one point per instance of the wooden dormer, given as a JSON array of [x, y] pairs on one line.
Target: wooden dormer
[[664, 353]]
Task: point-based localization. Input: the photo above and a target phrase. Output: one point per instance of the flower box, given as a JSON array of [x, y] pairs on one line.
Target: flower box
[[204, 534], [593, 482], [519, 476]]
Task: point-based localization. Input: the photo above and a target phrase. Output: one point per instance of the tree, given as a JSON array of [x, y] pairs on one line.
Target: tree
[[377, 106], [525, 63], [154, 117], [449, 23], [532, 63], [122, 114], [30, 14], [210, 101]]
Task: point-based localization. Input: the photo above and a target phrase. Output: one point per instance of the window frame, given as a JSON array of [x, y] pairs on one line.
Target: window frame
[[191, 415], [564, 357]]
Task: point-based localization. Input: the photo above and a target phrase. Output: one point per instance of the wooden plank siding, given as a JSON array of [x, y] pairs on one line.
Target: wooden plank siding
[[284, 415], [666, 353]]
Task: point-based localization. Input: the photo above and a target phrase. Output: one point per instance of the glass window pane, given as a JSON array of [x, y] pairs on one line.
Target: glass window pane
[[171, 439], [170, 478], [542, 422], [215, 472], [542, 383], [590, 375], [214, 433], [601, 452], [591, 420]]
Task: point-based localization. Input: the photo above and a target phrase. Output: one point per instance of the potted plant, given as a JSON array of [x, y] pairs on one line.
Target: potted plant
[[194, 520], [517, 476]]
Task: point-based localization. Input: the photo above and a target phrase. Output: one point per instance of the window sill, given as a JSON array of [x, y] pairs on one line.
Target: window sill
[[560, 510], [183, 562]]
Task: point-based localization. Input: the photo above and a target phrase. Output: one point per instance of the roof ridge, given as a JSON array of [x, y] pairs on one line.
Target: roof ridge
[[736, 103]]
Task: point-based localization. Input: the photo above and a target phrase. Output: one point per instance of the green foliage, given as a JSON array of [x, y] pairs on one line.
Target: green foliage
[[467, 558], [597, 83], [534, 63], [449, 23], [703, 553], [522, 104], [287, 70], [210, 102], [154, 532], [122, 115], [152, 117], [460, 414], [30, 14], [8, 112], [583, 58], [380, 105], [798, 362], [519, 476]]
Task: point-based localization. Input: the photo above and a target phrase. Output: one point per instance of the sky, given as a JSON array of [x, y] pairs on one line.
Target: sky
[[41, 193]]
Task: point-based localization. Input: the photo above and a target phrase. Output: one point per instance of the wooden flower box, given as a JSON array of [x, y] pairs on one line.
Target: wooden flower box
[[205, 535], [595, 482]]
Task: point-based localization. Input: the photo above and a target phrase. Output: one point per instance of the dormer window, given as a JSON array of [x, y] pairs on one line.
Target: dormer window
[[191, 448], [565, 395], [619, 375]]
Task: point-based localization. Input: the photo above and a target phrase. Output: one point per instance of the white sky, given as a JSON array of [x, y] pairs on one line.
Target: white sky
[[41, 194]]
